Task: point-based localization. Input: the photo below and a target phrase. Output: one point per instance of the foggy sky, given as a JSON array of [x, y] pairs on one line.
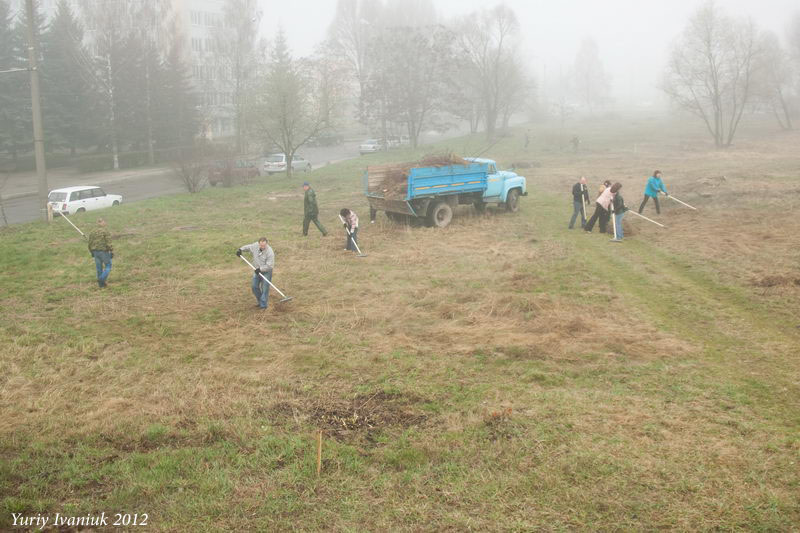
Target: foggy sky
[[633, 36]]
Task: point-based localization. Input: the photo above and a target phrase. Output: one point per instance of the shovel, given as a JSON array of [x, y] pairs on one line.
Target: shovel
[[351, 238], [285, 298]]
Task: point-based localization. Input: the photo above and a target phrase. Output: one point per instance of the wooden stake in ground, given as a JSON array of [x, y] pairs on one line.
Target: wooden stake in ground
[[319, 452]]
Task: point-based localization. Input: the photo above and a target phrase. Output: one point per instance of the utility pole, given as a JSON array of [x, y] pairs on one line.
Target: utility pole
[[113, 116], [38, 130]]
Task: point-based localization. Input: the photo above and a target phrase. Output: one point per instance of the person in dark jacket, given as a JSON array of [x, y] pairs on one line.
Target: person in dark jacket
[[618, 209], [654, 186], [580, 199], [311, 211]]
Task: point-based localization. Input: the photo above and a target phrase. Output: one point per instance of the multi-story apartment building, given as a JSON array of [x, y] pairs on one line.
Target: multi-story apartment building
[[202, 21]]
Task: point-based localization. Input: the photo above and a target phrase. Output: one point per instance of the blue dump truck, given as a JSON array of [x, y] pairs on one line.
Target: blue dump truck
[[433, 192]]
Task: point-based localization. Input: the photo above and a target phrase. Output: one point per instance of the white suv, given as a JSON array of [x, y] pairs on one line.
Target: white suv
[[71, 200], [277, 163]]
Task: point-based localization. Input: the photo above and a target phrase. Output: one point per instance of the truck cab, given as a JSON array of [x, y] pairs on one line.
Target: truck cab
[[500, 183]]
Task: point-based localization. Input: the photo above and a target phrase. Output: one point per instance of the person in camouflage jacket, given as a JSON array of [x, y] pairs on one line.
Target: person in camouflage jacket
[[100, 247], [311, 211]]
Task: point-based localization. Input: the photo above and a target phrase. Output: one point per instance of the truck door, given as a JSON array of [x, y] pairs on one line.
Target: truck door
[[495, 182]]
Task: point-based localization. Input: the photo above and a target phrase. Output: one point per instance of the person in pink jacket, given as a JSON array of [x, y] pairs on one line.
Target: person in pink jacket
[[602, 210]]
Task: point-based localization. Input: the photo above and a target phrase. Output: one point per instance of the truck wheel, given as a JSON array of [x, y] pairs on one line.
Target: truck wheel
[[512, 201], [440, 215]]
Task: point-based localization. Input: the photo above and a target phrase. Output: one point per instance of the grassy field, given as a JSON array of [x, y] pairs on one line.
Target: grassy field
[[503, 373]]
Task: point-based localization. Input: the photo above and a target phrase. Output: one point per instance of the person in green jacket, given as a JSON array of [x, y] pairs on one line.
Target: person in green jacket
[[311, 211], [99, 241]]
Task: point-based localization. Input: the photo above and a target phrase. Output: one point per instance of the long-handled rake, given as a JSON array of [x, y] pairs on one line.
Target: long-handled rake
[[681, 202], [647, 219], [351, 238], [583, 201], [73, 225], [285, 298], [613, 218]]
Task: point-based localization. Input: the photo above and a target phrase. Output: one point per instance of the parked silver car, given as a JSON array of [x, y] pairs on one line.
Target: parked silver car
[[275, 163]]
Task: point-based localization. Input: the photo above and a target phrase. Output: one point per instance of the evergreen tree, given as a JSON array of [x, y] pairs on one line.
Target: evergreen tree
[[9, 82], [18, 115], [178, 119], [70, 87]]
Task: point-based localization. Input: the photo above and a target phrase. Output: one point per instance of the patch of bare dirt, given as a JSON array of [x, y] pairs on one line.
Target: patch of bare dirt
[[363, 417], [777, 281]]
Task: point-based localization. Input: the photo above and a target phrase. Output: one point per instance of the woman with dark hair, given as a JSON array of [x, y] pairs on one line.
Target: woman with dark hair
[[350, 220], [654, 186], [602, 209], [618, 209]]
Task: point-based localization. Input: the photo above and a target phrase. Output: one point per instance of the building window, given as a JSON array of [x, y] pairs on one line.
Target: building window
[[196, 17]]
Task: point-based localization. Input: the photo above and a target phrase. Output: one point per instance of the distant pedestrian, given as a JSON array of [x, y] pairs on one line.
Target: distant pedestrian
[[351, 225], [580, 194], [527, 138], [654, 186], [100, 247], [576, 143], [618, 212], [602, 211], [311, 210], [264, 261]]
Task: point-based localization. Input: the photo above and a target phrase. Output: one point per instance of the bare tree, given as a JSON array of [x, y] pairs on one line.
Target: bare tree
[[287, 109], [591, 80], [412, 69], [355, 23], [329, 72], [234, 58], [516, 92], [489, 41], [776, 81], [191, 167], [712, 71]]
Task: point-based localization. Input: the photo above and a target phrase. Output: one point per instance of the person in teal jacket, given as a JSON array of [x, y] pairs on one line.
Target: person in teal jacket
[[654, 185]]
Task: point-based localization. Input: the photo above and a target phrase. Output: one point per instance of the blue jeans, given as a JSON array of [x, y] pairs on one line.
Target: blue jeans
[[577, 208], [620, 233], [351, 238], [261, 288], [102, 261]]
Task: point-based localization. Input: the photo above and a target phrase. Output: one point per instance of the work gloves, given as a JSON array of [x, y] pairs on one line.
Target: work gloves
[[258, 271], [112, 255], [238, 253]]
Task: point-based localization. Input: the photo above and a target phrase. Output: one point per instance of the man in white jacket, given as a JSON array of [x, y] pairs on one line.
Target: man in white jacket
[[264, 261]]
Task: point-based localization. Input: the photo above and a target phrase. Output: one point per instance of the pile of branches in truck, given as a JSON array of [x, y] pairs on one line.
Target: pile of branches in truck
[[396, 180]]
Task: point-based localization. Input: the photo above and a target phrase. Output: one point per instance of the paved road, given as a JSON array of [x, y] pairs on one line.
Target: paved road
[[22, 206]]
